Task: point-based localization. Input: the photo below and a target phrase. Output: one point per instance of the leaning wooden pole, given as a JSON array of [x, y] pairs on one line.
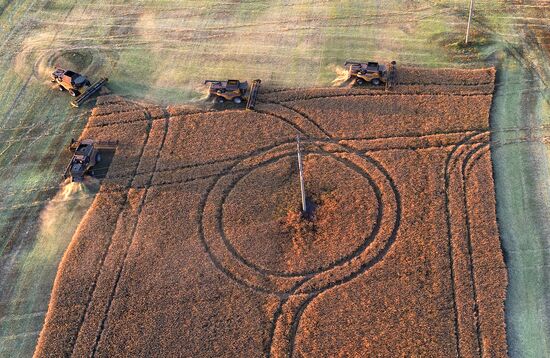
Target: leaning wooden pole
[[469, 20], [301, 168]]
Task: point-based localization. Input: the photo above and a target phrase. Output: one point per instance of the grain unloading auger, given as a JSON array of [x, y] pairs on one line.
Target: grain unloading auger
[[234, 91], [76, 84], [373, 72]]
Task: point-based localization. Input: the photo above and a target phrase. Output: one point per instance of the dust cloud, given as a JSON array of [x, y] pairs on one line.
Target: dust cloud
[[71, 202], [341, 75], [203, 91]]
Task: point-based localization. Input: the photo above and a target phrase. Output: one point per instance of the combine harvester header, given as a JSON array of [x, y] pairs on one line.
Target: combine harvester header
[[253, 94], [90, 91]]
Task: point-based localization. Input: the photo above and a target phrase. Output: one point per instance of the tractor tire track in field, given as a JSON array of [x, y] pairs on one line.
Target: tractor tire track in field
[[449, 237], [494, 144], [474, 148], [306, 117], [336, 140], [92, 288], [375, 89], [476, 157], [450, 94], [306, 276], [452, 158], [365, 265], [292, 141], [482, 148], [133, 230], [464, 163], [191, 179], [283, 119], [372, 90], [378, 93], [285, 337]]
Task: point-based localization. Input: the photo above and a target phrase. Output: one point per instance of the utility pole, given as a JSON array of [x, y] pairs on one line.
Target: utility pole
[[469, 20], [300, 167]]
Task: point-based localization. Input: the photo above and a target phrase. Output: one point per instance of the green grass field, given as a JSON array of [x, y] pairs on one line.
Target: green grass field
[[161, 51]]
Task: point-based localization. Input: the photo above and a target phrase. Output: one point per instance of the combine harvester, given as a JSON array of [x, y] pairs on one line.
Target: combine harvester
[[75, 83], [234, 91], [85, 156], [373, 72]]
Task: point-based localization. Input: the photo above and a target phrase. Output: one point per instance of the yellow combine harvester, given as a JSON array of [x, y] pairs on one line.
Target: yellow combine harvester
[[76, 84], [234, 91], [372, 72]]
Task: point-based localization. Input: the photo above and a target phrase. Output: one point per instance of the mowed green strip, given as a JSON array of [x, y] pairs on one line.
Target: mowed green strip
[[163, 50], [522, 179]]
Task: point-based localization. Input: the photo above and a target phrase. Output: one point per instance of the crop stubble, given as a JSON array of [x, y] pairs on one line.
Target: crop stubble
[[193, 245]]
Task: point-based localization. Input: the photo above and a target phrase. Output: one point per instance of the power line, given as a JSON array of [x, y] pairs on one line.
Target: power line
[[469, 20], [300, 167]]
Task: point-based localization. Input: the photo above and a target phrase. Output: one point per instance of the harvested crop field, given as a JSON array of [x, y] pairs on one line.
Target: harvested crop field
[[194, 246]]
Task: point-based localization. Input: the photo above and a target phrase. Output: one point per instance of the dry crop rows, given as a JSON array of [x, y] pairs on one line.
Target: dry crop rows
[[192, 246]]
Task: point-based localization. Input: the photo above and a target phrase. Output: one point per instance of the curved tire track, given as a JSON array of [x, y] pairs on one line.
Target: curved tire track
[[452, 158]]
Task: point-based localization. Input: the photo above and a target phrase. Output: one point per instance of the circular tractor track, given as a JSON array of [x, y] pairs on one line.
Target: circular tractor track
[[220, 249]]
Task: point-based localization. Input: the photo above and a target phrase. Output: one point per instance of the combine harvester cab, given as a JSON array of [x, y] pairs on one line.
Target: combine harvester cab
[[76, 84], [234, 91], [372, 72], [70, 81]]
